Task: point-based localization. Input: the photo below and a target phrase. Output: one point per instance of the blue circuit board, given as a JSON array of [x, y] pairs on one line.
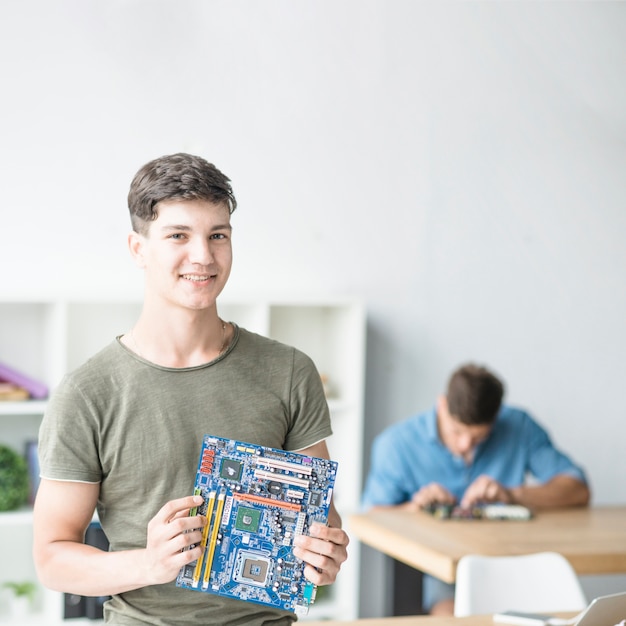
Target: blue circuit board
[[496, 511], [256, 500]]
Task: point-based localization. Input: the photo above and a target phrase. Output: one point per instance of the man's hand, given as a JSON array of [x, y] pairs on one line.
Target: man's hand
[[433, 493], [323, 551], [485, 489], [171, 533]]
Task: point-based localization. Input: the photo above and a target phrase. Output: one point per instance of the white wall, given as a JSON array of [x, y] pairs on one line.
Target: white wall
[[458, 166]]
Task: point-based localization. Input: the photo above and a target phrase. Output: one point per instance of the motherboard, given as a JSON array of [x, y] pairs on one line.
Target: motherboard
[[515, 512], [256, 500]]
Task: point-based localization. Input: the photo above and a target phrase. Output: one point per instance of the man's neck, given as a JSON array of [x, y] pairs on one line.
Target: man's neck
[[178, 338]]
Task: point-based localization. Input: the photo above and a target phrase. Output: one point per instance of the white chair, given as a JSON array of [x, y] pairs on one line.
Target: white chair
[[538, 583]]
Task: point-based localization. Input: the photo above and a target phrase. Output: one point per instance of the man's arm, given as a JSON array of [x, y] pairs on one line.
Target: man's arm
[[325, 548], [561, 491], [433, 493], [63, 510]]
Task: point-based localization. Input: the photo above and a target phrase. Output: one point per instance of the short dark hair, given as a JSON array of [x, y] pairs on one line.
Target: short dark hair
[[474, 394], [176, 176]]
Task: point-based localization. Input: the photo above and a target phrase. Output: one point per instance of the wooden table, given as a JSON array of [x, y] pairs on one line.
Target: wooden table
[[474, 620], [592, 539]]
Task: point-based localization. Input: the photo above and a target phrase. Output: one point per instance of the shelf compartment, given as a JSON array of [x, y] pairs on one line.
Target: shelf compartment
[[29, 339], [26, 407]]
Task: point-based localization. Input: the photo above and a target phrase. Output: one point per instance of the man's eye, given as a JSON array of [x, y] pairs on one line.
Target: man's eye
[[177, 236], [218, 236]]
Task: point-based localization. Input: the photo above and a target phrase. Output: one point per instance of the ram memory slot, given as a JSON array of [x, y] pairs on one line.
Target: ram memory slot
[[205, 534], [213, 541]]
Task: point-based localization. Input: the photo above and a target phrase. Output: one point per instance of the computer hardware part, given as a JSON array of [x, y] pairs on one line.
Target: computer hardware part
[[479, 512], [256, 500]]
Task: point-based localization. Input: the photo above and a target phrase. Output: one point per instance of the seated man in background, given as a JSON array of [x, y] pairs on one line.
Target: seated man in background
[[467, 450]]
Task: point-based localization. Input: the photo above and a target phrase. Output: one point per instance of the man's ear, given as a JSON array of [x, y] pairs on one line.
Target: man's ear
[[136, 247], [442, 405]]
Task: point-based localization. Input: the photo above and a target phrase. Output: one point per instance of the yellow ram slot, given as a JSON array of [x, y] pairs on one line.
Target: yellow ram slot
[[216, 528], [205, 534]]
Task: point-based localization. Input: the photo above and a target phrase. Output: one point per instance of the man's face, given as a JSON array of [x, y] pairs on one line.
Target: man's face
[[186, 254], [461, 439]]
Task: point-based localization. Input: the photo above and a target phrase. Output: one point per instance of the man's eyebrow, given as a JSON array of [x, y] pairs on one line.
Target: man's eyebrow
[[186, 228], [175, 227]]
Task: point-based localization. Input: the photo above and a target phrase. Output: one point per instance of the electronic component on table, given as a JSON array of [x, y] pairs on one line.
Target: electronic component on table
[[506, 511], [484, 511], [256, 500], [450, 511]]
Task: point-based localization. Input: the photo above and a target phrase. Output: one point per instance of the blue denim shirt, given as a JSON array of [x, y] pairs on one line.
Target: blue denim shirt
[[408, 455]]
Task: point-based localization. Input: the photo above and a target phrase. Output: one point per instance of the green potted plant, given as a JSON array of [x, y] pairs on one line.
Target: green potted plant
[[14, 481], [23, 593]]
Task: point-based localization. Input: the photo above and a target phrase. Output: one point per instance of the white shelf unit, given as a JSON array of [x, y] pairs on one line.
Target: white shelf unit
[[46, 338]]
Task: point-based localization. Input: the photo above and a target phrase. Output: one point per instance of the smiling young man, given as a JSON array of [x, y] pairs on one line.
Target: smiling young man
[[122, 433], [469, 449]]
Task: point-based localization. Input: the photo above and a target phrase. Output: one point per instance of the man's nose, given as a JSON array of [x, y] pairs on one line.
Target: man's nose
[[465, 443], [201, 252]]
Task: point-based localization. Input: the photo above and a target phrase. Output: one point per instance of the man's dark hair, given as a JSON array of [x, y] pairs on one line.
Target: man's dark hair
[[474, 395], [176, 177]]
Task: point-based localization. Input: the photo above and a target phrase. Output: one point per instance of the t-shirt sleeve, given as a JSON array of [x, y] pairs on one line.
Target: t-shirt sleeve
[[67, 442], [310, 417]]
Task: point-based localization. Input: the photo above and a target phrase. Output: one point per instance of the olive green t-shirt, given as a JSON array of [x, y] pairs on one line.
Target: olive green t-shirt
[[137, 428]]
